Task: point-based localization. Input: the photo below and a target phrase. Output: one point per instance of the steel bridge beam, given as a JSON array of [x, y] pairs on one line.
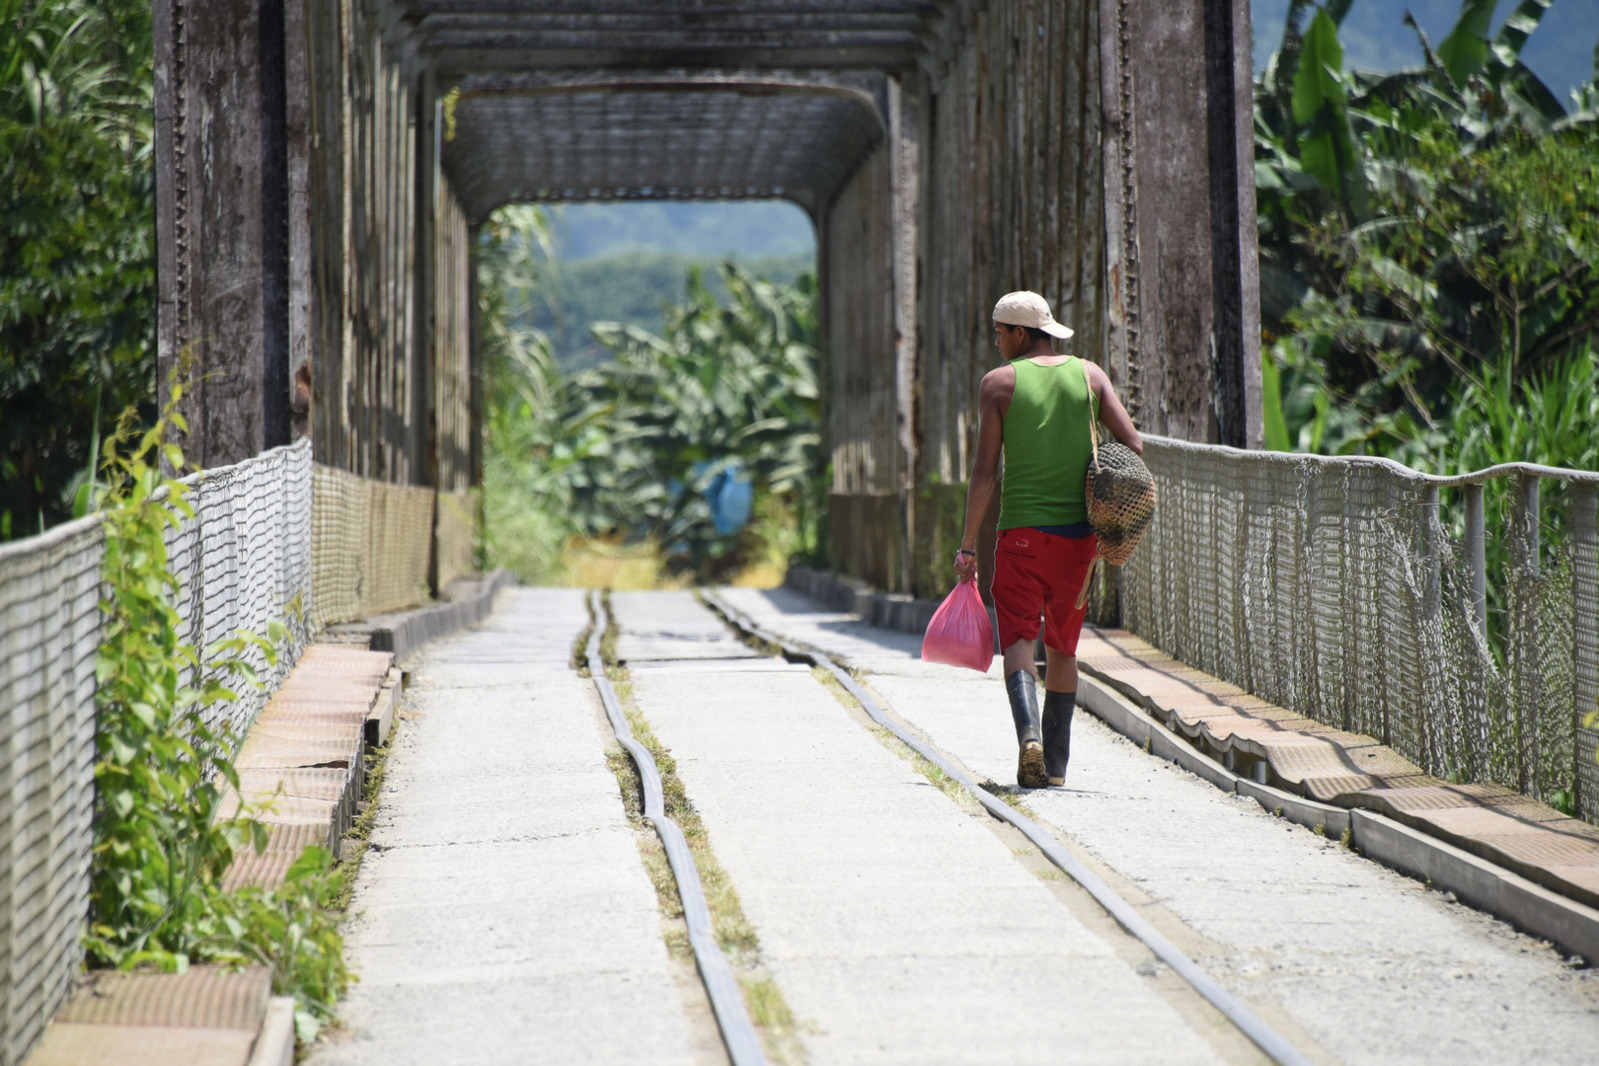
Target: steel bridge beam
[[948, 150]]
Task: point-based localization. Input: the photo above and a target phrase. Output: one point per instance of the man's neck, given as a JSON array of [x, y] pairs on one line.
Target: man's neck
[[1043, 352]]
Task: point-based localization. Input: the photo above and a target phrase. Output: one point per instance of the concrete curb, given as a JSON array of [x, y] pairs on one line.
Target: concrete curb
[[1573, 926], [275, 1044], [404, 632], [1132, 722], [886, 610], [1528, 906]]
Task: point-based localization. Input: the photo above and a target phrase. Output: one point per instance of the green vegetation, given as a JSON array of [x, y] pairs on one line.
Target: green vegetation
[[735, 934], [164, 829], [1428, 247], [77, 255], [670, 442], [636, 287]]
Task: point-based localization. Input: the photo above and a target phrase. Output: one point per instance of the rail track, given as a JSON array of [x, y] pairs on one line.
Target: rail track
[[738, 1033]]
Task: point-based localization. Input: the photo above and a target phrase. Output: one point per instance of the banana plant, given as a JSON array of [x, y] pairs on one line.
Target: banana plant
[[1420, 226], [728, 392]]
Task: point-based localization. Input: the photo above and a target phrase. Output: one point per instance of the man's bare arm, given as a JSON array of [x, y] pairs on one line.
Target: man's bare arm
[[1111, 411], [992, 398]]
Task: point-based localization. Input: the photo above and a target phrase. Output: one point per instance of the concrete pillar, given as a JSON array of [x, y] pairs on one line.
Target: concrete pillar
[[1180, 206], [223, 229], [905, 105], [297, 109]]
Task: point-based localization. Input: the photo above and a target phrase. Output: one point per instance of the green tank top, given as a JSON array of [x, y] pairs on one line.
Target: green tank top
[[1046, 445]]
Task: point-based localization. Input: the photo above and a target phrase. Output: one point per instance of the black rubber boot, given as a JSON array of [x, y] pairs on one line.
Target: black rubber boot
[[1058, 707], [1020, 686]]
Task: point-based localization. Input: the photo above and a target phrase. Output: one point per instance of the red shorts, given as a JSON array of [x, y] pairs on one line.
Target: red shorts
[[1038, 573]]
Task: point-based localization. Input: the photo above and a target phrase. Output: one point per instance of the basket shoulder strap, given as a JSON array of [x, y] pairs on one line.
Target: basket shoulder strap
[[1093, 410]]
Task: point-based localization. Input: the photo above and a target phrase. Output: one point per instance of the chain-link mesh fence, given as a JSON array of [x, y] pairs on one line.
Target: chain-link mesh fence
[[402, 543], [50, 624], [242, 558], [243, 562], [265, 533], [1357, 592], [455, 536], [372, 542]]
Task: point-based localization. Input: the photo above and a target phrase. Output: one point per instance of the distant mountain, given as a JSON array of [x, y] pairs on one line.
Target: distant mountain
[[1375, 36], [743, 229], [632, 287]]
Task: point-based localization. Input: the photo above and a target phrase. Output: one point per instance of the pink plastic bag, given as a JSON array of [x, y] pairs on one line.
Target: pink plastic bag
[[960, 633]]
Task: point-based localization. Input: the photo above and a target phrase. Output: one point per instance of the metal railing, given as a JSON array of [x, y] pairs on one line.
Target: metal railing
[[244, 555], [1357, 592], [262, 532]]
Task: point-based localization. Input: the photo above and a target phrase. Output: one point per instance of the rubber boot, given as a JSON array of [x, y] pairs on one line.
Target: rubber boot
[[1020, 686], [1058, 707]]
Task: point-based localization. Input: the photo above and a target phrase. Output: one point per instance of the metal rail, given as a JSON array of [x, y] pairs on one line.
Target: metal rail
[[1474, 477], [738, 1032], [1247, 1022]]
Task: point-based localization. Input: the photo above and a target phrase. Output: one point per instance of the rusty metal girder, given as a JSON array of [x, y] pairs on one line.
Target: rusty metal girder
[[623, 136], [866, 34], [680, 9]]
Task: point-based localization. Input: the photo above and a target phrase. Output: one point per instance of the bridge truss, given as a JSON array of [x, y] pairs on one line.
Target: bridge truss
[[324, 167]]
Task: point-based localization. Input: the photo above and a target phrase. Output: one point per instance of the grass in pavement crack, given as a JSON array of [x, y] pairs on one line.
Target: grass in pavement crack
[[355, 843], [734, 933], [580, 647], [744, 636]]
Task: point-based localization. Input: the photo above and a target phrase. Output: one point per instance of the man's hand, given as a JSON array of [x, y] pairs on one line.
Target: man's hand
[[994, 397], [966, 564]]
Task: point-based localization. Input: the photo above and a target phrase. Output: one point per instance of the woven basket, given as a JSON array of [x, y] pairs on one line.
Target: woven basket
[[1121, 500]]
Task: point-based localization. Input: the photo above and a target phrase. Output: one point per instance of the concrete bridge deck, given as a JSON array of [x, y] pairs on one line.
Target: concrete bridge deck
[[505, 914]]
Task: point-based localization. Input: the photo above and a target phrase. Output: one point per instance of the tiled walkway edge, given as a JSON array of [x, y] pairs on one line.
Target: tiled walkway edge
[[301, 767]]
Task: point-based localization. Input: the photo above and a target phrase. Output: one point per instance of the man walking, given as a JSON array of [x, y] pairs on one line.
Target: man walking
[[1037, 411]]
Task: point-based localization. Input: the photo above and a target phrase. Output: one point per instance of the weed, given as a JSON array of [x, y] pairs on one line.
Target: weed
[[579, 660], [1320, 830], [161, 842], [734, 933], [766, 1004], [771, 1014], [1010, 794], [1347, 838], [825, 677], [353, 849]]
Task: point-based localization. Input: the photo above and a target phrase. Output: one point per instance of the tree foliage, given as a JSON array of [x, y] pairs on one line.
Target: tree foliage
[[77, 257], [643, 444], [164, 830], [1428, 238]]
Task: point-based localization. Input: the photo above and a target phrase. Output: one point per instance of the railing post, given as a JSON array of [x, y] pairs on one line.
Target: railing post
[[1477, 559], [1432, 543], [1525, 669], [1585, 642], [1431, 553]]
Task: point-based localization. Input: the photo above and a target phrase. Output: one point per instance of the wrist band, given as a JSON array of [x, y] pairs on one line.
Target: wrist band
[[964, 551]]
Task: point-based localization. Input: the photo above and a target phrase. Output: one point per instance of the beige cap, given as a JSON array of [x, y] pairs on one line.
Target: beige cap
[[1029, 309]]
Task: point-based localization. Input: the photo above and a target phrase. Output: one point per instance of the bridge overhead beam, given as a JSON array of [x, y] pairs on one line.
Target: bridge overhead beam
[[686, 139]]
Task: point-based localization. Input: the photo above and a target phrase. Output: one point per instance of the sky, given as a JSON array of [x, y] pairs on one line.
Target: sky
[[744, 228], [1375, 36]]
